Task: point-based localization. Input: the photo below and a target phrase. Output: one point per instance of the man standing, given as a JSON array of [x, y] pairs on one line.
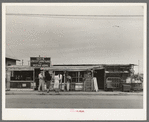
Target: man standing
[[68, 82], [41, 81], [48, 80]]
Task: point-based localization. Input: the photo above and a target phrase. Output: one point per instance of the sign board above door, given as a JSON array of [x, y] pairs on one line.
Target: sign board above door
[[40, 61]]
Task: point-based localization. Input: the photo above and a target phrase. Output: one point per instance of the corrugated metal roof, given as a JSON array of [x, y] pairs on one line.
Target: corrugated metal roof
[[94, 64], [71, 68], [19, 67], [118, 64], [55, 68], [61, 67]]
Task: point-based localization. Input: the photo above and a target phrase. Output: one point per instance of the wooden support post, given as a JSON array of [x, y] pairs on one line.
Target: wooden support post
[[53, 78], [34, 79], [64, 79], [78, 76], [92, 79], [84, 83], [61, 81], [104, 79]]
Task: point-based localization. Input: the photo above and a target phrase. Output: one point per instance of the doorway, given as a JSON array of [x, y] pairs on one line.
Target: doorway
[[37, 71], [99, 74]]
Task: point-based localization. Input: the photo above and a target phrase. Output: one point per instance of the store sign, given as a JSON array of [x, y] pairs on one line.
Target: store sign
[[40, 61]]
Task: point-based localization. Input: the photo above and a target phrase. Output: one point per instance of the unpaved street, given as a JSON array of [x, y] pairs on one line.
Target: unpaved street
[[74, 101]]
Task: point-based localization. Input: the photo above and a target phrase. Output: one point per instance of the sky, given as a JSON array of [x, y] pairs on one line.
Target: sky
[[76, 39]]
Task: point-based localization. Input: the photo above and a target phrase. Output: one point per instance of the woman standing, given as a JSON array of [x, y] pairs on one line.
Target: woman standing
[[57, 78]]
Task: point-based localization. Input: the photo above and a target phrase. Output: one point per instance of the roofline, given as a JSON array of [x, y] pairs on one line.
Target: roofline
[[13, 59], [76, 64], [92, 64]]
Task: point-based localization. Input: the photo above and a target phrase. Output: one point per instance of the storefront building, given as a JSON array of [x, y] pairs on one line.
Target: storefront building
[[20, 76], [82, 75]]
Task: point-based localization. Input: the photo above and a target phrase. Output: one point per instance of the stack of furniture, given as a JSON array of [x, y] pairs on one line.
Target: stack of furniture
[[88, 83]]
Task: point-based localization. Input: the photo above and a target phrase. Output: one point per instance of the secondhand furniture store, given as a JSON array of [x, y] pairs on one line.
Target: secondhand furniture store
[[82, 75]]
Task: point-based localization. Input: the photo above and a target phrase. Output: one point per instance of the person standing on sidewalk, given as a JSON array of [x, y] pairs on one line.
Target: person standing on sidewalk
[[48, 80], [41, 81], [68, 82], [57, 79]]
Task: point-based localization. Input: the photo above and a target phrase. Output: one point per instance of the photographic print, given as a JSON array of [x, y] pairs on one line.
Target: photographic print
[[74, 61]]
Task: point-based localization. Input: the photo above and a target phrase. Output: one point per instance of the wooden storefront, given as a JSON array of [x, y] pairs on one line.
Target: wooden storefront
[[20, 77], [80, 79], [118, 74], [26, 77]]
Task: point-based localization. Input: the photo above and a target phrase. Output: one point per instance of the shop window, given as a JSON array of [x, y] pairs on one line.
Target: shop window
[[110, 69], [82, 74], [117, 69], [22, 75], [74, 76], [81, 80], [77, 77], [120, 69], [126, 70], [81, 77]]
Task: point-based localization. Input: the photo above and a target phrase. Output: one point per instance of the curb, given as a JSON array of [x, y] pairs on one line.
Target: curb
[[62, 93]]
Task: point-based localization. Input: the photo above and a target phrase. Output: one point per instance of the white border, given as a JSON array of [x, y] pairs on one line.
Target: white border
[[65, 114], [74, 4], [145, 59], [3, 56]]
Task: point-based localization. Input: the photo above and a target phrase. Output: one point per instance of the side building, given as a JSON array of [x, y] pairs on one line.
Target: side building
[[9, 61]]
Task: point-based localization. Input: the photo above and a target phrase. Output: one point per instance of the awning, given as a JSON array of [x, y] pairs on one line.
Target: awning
[[19, 68], [116, 72], [54, 68], [71, 68]]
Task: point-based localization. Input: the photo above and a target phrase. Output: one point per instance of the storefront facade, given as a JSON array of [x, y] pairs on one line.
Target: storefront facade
[[20, 77], [26, 77], [78, 74]]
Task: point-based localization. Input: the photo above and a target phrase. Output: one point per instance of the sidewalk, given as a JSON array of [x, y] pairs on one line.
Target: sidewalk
[[100, 92]]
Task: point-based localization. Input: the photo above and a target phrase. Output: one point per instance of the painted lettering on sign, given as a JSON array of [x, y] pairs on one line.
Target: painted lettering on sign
[[40, 61]]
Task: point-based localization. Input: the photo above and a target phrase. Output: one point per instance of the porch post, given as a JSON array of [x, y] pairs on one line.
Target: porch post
[[92, 81], [34, 79], [104, 78], [64, 79], [84, 80]]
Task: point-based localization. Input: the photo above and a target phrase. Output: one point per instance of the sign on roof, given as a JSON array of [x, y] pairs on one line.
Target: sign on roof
[[40, 61]]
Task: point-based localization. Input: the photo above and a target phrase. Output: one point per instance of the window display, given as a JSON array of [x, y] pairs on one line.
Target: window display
[[22, 75]]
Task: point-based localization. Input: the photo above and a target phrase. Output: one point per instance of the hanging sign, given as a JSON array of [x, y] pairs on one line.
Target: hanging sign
[[40, 61]]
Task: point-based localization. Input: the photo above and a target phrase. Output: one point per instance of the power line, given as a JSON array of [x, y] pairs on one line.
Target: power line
[[67, 15]]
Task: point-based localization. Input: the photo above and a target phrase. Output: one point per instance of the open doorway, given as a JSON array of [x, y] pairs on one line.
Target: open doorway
[[99, 74], [37, 71]]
